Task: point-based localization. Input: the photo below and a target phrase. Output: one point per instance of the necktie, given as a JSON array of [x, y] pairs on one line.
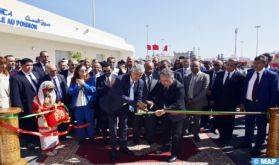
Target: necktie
[[108, 82], [131, 95], [34, 83], [213, 78], [255, 87], [148, 82], [227, 79], [57, 90]]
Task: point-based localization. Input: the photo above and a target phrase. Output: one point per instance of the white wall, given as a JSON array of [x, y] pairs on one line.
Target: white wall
[[21, 47]]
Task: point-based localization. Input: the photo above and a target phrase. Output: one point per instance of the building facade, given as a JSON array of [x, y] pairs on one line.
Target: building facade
[[26, 30]]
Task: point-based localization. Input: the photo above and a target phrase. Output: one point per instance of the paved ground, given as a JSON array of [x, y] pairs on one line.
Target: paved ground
[[239, 156]]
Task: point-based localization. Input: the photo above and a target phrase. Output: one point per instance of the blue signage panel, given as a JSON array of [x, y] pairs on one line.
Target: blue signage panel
[[6, 17]]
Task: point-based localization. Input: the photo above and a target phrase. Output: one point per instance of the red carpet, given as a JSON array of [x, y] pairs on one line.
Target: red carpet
[[98, 153]]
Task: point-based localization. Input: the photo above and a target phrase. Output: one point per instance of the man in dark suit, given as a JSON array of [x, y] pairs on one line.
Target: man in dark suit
[[68, 75], [269, 60], [226, 94], [58, 80], [103, 85], [260, 93], [124, 97], [217, 67], [180, 73], [40, 66], [169, 95], [150, 79], [23, 90]]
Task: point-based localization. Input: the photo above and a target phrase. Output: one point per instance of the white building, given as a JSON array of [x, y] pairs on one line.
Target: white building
[[26, 30]]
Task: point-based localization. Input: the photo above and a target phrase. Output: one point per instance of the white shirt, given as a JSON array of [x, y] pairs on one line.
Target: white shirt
[[146, 78], [251, 84], [192, 85], [226, 75], [43, 66], [29, 79], [69, 78], [81, 99], [4, 91], [131, 93]]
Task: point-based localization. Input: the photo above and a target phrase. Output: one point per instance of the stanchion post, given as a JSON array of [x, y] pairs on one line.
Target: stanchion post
[[273, 133], [9, 141]]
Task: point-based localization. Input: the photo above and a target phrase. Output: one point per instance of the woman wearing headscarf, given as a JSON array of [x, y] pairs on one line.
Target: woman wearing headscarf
[[45, 101], [82, 89]]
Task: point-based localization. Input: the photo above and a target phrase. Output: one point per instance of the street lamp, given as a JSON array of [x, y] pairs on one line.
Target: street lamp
[[257, 27]]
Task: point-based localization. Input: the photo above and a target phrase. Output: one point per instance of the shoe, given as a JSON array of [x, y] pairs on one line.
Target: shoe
[[126, 150], [172, 159], [244, 145], [162, 150], [81, 141], [31, 146], [63, 138], [226, 143], [214, 131], [112, 156], [136, 141], [92, 140], [218, 140], [256, 153], [197, 138]]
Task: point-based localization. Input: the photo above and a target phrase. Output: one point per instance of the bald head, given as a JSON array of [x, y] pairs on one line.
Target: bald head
[[130, 61], [51, 70], [195, 66], [149, 67]]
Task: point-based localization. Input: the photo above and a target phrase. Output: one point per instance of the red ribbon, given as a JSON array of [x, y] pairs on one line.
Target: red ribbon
[[18, 130]]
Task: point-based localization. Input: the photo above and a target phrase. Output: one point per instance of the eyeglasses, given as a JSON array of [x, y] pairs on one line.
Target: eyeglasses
[[106, 71], [82, 71]]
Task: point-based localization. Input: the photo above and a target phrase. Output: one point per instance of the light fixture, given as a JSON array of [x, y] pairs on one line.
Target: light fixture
[[86, 31]]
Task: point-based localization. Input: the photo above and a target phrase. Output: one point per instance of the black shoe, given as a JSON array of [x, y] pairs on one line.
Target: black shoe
[[81, 141], [113, 156], [244, 145], [63, 138], [136, 141], [172, 159], [218, 140], [126, 150], [162, 150], [197, 138], [92, 140], [256, 152], [30, 146]]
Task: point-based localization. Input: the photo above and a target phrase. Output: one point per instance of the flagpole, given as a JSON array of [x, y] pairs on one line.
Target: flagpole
[[93, 13], [147, 56], [162, 46], [236, 30]]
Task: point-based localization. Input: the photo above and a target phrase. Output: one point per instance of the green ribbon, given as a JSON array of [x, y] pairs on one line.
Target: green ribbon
[[8, 116], [33, 115], [199, 112]]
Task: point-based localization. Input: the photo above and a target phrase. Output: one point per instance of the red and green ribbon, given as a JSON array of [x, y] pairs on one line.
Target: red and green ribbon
[[199, 112]]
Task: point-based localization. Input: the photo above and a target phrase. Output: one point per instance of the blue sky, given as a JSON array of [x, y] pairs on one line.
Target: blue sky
[[182, 24]]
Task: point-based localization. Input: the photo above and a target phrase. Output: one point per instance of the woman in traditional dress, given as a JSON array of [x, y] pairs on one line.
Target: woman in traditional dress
[[82, 89], [47, 123]]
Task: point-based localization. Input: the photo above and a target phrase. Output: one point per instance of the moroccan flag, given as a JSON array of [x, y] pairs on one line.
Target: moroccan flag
[[165, 48], [148, 47], [155, 47]]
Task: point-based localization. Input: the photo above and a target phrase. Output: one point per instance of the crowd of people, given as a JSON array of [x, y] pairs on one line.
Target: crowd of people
[[107, 94]]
